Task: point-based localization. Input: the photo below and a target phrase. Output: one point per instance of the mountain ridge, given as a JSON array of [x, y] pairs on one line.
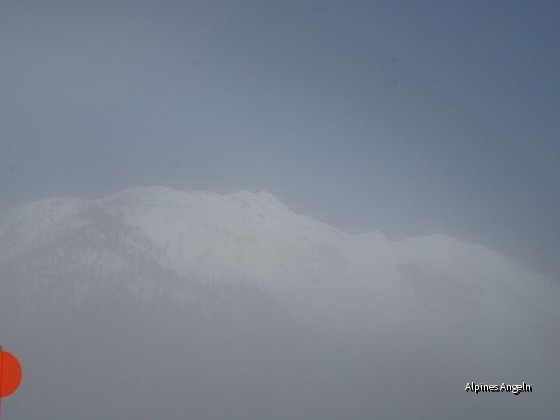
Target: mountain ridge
[[233, 306], [254, 239]]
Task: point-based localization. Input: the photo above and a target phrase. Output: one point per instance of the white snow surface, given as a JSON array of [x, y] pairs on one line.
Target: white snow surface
[[316, 270]]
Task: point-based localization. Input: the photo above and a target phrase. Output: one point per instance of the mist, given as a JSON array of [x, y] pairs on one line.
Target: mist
[[356, 211]]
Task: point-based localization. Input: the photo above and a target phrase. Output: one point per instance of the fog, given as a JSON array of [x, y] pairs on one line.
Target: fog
[[426, 120], [407, 118]]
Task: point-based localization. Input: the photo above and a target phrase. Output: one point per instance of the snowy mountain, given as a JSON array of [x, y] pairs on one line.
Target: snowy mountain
[[256, 312]]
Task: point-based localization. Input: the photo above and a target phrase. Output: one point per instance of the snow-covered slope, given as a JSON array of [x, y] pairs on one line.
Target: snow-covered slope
[[251, 239], [163, 259]]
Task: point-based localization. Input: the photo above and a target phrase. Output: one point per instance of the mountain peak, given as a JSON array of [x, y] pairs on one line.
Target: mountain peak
[[262, 199], [162, 192]]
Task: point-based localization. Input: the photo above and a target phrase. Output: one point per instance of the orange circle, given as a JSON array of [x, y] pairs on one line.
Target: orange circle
[[10, 374]]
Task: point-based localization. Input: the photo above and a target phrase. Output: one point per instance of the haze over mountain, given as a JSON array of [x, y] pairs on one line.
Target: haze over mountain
[[157, 303]]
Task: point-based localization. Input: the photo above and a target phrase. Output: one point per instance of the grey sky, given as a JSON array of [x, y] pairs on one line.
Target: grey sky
[[409, 117]]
